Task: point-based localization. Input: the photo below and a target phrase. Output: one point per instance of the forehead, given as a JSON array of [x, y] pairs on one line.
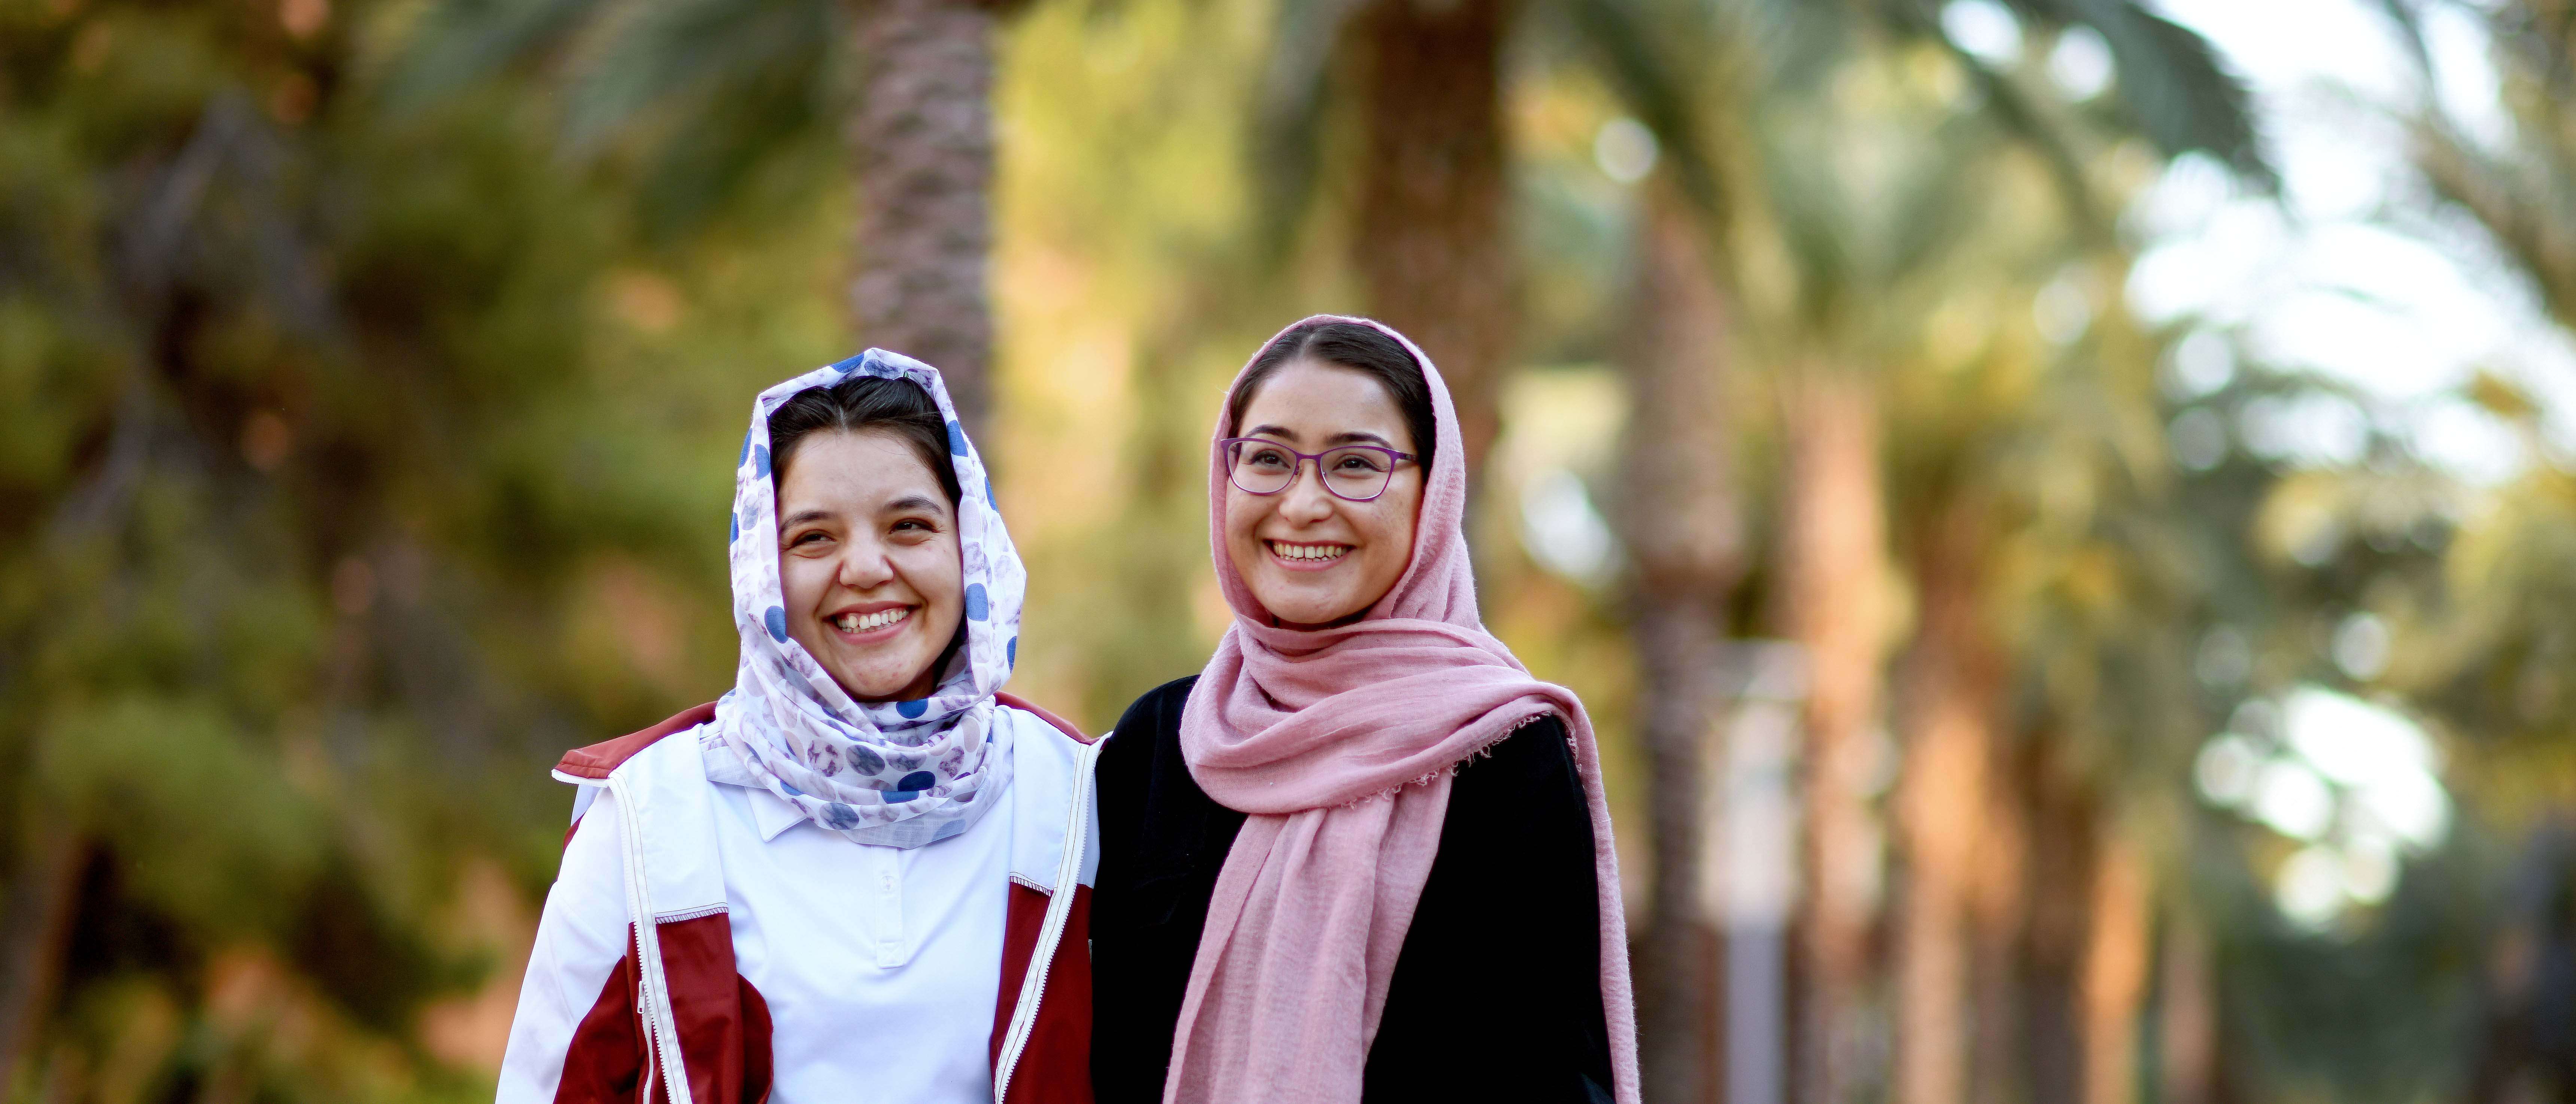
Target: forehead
[[836, 468], [1315, 399]]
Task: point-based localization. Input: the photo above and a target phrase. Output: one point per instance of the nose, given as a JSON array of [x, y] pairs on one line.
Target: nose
[[1305, 501], [865, 565]]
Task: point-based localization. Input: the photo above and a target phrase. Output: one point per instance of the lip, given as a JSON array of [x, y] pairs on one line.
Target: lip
[[1286, 564], [877, 635]]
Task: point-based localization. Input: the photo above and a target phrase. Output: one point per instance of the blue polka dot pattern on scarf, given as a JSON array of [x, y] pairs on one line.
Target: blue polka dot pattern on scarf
[[788, 727]]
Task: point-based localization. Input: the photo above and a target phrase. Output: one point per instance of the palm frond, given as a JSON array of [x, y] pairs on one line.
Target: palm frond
[[462, 42], [1657, 90], [698, 53], [1288, 120], [2529, 211], [2175, 87], [2022, 115]]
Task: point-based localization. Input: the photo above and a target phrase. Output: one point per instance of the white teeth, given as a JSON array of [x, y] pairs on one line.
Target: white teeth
[[1309, 551], [862, 622]]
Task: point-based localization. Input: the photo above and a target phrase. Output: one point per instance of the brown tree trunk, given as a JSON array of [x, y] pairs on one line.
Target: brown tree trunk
[[2187, 1017], [1834, 561], [1433, 243], [2064, 832], [1678, 519], [2115, 973], [921, 147], [1953, 681], [1999, 909], [35, 929]]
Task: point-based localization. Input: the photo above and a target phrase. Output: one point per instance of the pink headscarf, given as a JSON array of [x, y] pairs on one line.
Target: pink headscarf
[[1341, 744]]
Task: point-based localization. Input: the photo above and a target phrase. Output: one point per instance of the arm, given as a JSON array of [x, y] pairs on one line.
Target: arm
[[574, 1038], [1497, 994]]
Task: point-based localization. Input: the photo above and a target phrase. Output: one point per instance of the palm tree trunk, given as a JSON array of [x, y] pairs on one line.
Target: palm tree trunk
[[1999, 906], [1678, 519], [2115, 973], [2187, 1016], [1433, 240], [1953, 683], [35, 928], [2064, 836], [1834, 559], [921, 147]]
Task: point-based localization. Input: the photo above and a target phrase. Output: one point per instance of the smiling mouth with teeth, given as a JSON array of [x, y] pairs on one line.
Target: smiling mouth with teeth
[[862, 622], [1308, 552]]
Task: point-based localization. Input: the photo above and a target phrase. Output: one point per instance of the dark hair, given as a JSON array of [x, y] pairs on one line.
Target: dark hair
[[1362, 348], [865, 403]]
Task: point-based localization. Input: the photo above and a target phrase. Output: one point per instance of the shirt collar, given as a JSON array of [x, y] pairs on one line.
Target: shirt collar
[[772, 814]]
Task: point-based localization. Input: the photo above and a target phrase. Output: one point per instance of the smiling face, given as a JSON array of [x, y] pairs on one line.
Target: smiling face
[[868, 563], [1310, 558]]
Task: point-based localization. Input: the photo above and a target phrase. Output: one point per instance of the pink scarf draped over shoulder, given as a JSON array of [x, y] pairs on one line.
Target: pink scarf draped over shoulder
[[1341, 745]]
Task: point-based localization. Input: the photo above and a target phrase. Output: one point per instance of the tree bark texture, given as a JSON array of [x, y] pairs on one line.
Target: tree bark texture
[[1954, 681], [2064, 834], [1834, 561], [2187, 1016], [2115, 973], [921, 148], [1999, 909], [35, 932], [1679, 521], [1433, 242]]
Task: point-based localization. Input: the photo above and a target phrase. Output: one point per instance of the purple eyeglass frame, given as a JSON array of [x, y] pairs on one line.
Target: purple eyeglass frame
[[1299, 465]]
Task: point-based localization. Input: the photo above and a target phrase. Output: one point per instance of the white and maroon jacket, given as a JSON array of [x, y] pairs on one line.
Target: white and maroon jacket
[[686, 986]]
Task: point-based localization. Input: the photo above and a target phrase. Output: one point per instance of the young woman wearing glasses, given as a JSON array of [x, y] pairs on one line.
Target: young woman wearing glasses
[[1363, 855]]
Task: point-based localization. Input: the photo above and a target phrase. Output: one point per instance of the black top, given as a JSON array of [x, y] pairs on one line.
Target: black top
[[1497, 993]]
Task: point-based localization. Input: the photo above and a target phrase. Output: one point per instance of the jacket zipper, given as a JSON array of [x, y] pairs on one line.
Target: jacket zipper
[[1050, 930]]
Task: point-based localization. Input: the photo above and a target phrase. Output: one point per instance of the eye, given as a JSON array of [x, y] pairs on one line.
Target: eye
[[806, 537], [1357, 461], [1268, 458]]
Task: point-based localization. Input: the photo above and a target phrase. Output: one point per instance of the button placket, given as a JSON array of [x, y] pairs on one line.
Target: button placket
[[889, 910]]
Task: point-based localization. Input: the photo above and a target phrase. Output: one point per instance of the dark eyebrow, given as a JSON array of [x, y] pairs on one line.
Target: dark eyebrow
[[914, 502], [800, 517], [1343, 438]]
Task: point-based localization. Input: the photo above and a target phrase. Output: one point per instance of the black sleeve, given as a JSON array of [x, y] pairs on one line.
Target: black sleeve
[[1162, 843], [1497, 994]]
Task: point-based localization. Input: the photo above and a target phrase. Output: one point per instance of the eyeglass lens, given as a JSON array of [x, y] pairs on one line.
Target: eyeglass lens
[[1357, 473]]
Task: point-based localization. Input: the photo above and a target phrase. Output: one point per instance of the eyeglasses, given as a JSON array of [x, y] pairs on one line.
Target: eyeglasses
[[1353, 473]]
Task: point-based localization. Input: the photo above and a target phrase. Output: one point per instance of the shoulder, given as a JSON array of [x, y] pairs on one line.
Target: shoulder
[[1158, 709], [1040, 713], [1533, 763], [592, 763], [1149, 728], [1044, 748]]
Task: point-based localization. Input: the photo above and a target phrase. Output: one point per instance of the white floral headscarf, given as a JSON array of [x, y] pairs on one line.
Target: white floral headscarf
[[901, 774]]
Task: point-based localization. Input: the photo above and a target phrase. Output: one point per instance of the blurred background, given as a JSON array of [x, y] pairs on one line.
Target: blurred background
[[2063, 510]]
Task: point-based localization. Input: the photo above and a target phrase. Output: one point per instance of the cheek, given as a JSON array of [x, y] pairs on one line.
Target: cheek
[[1390, 527], [935, 572], [1242, 513], [800, 579]]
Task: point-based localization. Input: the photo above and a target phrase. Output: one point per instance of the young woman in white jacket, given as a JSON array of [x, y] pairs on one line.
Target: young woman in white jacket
[[862, 873]]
